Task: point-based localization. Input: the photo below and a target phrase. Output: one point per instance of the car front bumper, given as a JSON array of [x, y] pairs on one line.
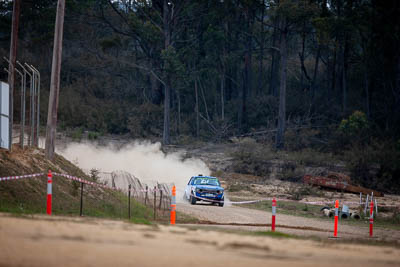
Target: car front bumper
[[209, 196]]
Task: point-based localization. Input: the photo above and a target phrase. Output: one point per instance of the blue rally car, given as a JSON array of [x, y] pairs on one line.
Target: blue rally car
[[204, 188]]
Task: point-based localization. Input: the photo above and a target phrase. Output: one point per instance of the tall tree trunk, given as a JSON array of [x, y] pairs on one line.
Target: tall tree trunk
[[196, 107], [302, 59], [55, 82], [314, 79], [204, 100], [344, 74], [280, 134], [249, 53], [274, 61], [242, 120], [167, 85], [156, 93], [178, 130], [11, 67], [261, 65], [246, 86], [367, 102], [222, 95], [167, 100], [333, 69]]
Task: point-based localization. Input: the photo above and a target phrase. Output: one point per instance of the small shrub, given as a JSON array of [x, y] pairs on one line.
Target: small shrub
[[144, 120], [93, 135], [355, 125], [290, 171], [309, 157], [94, 174], [75, 188], [354, 130], [298, 139], [299, 192], [396, 217], [359, 161], [239, 187], [77, 134], [252, 158]]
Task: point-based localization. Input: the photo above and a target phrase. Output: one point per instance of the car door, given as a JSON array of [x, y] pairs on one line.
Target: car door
[[188, 188]]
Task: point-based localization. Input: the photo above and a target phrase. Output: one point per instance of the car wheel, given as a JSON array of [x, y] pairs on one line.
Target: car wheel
[[221, 204], [192, 200]]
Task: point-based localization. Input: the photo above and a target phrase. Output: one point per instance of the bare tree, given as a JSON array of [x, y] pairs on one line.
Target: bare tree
[[11, 66], [280, 134], [55, 82]]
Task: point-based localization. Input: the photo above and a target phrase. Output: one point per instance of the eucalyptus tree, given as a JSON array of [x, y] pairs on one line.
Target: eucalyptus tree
[[154, 26], [291, 14]]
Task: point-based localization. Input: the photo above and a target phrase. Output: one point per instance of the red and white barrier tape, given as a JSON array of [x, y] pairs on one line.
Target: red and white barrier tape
[[256, 201], [74, 178], [149, 190], [280, 200], [21, 176]]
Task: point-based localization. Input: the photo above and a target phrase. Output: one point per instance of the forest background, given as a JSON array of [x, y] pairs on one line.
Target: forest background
[[316, 75]]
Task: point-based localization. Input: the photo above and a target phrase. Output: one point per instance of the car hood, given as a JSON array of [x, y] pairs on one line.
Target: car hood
[[209, 187]]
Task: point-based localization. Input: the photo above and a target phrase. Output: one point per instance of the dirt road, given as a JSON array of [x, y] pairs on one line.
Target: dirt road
[[65, 241], [285, 223]]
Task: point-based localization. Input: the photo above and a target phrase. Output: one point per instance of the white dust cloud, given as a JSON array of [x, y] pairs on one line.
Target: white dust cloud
[[144, 160]]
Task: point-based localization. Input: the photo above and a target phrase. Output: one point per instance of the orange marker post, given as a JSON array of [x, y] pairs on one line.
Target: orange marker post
[[273, 215], [173, 205], [49, 191], [371, 219], [336, 218]]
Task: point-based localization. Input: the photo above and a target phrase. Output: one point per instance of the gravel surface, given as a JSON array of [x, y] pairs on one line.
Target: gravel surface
[[72, 241], [284, 223]]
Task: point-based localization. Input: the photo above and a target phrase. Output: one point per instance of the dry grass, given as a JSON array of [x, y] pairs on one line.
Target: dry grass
[[28, 196]]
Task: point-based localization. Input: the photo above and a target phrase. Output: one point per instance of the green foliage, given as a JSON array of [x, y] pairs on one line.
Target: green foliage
[[311, 157], [355, 125], [291, 171], [94, 174], [302, 139], [359, 161], [93, 135], [77, 134], [74, 188], [375, 165], [388, 158], [109, 43], [115, 65]]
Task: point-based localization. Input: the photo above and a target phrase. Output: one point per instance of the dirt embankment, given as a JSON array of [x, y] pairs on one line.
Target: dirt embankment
[[28, 195], [55, 241]]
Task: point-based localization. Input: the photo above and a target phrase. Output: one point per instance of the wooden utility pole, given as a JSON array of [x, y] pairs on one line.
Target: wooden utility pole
[[11, 65], [55, 82]]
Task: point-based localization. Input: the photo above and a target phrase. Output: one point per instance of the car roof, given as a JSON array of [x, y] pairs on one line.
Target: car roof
[[202, 176]]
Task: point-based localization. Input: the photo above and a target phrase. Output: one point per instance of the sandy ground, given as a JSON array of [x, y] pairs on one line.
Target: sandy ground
[[64, 241], [285, 223]]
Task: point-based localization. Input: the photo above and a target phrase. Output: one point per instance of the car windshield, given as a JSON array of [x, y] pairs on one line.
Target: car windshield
[[206, 181]]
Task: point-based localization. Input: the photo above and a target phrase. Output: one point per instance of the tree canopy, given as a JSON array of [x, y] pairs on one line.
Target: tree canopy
[[217, 68]]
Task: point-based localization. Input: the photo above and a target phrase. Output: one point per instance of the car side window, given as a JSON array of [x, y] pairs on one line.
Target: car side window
[[190, 181]]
